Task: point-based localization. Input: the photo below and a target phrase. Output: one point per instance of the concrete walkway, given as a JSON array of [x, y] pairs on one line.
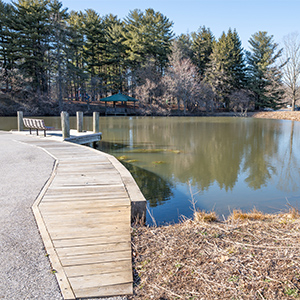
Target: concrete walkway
[[25, 270]]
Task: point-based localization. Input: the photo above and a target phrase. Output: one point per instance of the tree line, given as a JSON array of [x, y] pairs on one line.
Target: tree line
[[49, 55]]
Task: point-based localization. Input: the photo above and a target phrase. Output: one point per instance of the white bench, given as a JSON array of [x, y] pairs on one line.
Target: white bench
[[37, 124]]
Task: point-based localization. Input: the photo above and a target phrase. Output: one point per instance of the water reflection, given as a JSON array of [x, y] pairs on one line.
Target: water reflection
[[289, 164], [109, 146], [155, 189], [211, 151], [261, 144]]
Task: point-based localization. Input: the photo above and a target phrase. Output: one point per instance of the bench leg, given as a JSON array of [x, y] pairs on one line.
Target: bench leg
[[30, 130], [44, 133], [37, 132]]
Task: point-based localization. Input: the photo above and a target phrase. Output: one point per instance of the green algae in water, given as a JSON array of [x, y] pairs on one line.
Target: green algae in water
[[123, 157], [159, 162], [129, 161], [154, 151]]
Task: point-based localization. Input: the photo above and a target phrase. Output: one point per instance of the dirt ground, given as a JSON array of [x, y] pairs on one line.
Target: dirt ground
[[283, 115]]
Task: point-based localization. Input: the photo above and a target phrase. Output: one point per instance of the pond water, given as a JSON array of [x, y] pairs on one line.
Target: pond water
[[221, 163]]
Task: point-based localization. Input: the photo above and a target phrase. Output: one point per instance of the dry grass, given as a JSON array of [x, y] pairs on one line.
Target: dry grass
[[281, 115], [202, 216], [248, 256], [254, 214]]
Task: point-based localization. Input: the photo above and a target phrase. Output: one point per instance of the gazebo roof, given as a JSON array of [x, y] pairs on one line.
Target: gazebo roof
[[118, 97]]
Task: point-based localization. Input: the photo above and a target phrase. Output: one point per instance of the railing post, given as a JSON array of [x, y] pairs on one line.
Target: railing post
[[20, 121], [65, 124], [95, 122], [79, 115]]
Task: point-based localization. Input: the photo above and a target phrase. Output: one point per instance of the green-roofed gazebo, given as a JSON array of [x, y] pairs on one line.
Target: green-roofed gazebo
[[118, 98]]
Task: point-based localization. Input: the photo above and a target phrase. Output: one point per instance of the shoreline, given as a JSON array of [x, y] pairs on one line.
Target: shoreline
[[278, 115]]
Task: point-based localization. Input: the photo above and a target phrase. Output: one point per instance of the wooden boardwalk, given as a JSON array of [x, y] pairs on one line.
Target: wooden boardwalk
[[84, 216]]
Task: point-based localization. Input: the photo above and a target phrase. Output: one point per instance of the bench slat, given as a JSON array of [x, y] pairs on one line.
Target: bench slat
[[37, 124]]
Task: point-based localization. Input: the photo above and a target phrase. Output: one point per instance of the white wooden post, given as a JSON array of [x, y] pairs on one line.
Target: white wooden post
[[79, 115], [65, 124], [20, 121], [95, 122]]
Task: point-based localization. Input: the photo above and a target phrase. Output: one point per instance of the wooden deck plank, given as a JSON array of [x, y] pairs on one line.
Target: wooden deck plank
[[111, 215], [84, 173], [93, 249], [105, 167], [81, 196], [82, 189], [95, 258], [113, 199], [98, 280], [89, 232], [98, 268], [92, 232], [84, 222], [65, 231], [105, 291], [87, 190], [84, 206], [88, 241], [82, 180]]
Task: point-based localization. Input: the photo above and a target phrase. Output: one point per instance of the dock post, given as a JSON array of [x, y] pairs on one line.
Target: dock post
[[95, 122], [20, 121], [79, 115], [65, 125]]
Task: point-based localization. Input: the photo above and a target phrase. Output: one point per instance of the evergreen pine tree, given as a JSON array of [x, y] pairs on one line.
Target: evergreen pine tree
[[147, 35], [226, 71], [59, 36], [184, 44], [7, 42], [264, 75], [76, 75], [94, 47], [116, 58], [202, 46], [32, 26]]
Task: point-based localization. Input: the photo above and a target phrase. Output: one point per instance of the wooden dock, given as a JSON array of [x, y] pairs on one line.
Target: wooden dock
[[84, 216]]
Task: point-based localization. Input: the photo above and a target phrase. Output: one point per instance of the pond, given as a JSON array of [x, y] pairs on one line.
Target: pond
[[220, 164]]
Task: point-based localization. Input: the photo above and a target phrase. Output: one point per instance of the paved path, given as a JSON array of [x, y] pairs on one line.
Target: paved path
[[25, 271]]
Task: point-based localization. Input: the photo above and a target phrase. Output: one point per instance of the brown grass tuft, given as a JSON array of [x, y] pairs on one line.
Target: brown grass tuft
[[294, 213], [202, 216], [254, 214]]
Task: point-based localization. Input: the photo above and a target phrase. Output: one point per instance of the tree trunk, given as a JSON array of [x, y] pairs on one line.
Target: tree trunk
[[293, 100]]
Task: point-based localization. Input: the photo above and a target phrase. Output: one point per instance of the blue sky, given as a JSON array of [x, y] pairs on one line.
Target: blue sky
[[277, 17]]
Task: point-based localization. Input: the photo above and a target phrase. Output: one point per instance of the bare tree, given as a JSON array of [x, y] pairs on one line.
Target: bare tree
[[241, 100], [181, 80], [205, 100], [291, 70], [149, 90]]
